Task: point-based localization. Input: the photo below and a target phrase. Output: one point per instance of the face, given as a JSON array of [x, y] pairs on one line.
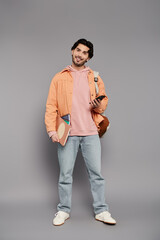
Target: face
[[80, 55]]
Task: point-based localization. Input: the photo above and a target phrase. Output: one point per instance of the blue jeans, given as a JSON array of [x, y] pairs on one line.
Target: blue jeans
[[91, 152]]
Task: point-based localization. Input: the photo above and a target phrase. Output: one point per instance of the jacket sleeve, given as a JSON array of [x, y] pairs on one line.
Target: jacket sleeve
[[51, 107], [104, 101]]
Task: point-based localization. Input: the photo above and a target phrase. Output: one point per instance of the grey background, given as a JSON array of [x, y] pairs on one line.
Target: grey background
[[35, 41]]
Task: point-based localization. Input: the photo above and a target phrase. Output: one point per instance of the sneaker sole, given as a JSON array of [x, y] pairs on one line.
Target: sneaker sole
[[60, 224], [105, 222]]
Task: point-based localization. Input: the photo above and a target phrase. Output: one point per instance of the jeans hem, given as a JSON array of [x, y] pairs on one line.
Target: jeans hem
[[100, 211]]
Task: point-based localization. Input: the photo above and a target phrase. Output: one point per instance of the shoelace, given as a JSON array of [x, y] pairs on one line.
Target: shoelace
[[56, 214], [105, 213]]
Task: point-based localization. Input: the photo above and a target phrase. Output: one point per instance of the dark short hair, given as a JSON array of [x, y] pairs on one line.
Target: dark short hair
[[86, 43]]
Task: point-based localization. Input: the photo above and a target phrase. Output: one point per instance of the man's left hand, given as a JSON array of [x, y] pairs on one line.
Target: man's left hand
[[95, 103]]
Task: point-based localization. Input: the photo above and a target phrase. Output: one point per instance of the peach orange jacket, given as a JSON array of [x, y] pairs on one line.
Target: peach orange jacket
[[60, 98]]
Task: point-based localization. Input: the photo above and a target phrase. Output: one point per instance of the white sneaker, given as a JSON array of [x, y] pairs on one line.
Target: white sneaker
[[60, 218], [105, 217]]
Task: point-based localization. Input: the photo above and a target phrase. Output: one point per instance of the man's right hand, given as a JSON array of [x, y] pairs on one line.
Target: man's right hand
[[55, 138]]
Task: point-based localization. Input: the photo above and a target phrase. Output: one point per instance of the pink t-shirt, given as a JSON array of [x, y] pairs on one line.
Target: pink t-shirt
[[82, 123]]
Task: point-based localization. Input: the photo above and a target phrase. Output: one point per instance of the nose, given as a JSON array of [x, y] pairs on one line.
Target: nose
[[80, 54]]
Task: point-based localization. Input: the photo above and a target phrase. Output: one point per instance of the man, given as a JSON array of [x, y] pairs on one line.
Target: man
[[72, 91]]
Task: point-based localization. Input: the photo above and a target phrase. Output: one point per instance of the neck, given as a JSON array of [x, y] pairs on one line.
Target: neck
[[77, 67]]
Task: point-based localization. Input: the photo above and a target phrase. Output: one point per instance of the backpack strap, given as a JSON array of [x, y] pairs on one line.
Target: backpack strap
[[96, 85], [96, 80]]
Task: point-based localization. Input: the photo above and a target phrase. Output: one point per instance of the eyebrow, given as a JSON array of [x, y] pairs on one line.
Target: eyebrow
[[83, 51]]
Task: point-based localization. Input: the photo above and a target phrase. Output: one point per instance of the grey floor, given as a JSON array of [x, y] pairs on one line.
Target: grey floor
[[34, 221]]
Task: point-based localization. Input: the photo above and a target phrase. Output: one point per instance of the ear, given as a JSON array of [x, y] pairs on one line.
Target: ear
[[72, 52]]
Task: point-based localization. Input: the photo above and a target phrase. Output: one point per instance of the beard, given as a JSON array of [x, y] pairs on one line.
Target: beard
[[78, 64]]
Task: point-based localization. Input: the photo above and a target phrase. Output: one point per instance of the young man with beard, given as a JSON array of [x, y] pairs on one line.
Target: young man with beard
[[72, 91]]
